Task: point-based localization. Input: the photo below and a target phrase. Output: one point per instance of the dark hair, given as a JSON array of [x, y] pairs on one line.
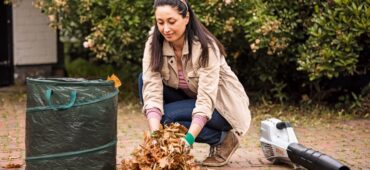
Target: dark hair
[[193, 29]]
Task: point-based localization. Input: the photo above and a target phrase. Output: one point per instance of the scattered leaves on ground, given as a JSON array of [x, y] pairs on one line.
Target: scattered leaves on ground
[[162, 150], [10, 165]]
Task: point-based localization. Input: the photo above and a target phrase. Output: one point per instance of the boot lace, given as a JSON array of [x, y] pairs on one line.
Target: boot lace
[[214, 150], [211, 151]]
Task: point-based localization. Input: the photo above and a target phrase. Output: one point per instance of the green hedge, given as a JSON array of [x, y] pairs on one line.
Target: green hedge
[[281, 49]]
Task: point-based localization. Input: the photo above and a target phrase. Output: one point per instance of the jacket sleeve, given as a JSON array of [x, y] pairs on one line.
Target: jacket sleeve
[[152, 83], [209, 77]]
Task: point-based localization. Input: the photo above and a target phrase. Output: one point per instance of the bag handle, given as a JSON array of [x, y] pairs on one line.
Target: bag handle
[[71, 102]]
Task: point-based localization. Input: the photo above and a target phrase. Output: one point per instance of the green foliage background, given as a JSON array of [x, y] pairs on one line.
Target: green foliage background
[[302, 50]]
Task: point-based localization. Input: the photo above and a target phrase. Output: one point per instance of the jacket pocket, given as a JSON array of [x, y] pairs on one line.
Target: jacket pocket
[[193, 75], [165, 73], [193, 79], [165, 76]]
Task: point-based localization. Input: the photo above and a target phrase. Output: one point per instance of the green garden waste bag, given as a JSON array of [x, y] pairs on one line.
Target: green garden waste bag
[[71, 124]]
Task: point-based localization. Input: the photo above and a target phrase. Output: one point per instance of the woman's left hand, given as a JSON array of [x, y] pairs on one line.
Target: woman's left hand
[[187, 141], [186, 146]]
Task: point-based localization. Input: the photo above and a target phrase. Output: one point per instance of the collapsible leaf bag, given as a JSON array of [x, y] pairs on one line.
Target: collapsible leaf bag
[[71, 124]]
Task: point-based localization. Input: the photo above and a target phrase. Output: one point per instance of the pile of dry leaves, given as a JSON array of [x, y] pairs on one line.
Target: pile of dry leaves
[[162, 150]]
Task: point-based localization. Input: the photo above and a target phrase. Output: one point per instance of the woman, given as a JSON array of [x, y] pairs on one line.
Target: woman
[[187, 80]]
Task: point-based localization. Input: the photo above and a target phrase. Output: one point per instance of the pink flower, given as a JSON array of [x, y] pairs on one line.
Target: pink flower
[[51, 18], [227, 2], [86, 44]]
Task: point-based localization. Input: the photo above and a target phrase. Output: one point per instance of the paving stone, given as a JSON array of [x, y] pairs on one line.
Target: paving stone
[[4, 155], [350, 144]]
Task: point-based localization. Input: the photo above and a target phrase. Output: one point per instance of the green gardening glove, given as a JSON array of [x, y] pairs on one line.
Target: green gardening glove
[[188, 141]]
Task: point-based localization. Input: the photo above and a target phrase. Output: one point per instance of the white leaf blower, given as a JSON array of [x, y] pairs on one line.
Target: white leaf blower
[[280, 145]]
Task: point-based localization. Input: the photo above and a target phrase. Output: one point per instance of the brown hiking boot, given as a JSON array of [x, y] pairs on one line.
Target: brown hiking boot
[[220, 155]]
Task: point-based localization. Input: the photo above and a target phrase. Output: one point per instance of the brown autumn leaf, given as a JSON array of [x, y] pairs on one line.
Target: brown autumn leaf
[[115, 79], [162, 150], [10, 165]]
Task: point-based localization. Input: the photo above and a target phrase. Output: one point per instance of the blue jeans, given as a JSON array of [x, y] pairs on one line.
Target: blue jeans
[[178, 107]]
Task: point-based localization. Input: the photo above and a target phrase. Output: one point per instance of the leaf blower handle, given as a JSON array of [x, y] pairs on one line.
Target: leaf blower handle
[[312, 159]]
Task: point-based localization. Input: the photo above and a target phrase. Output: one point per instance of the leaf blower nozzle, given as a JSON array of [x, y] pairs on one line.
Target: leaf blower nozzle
[[279, 144], [312, 159]]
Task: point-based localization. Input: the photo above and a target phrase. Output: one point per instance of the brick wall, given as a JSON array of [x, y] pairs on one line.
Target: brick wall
[[34, 43]]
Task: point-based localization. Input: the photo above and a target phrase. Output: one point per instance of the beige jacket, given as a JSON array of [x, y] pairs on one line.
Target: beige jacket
[[216, 85]]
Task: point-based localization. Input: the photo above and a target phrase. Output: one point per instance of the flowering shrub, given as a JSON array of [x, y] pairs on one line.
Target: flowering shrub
[[273, 45], [113, 30]]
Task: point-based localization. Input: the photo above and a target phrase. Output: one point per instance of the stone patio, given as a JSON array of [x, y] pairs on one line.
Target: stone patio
[[347, 141]]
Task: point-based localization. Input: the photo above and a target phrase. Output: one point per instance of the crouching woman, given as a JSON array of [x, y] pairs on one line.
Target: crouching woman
[[186, 79]]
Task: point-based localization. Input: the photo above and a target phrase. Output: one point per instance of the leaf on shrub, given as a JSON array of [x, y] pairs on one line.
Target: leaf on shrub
[[162, 150]]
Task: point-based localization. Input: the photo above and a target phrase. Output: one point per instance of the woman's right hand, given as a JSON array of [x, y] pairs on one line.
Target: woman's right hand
[[154, 124], [154, 118]]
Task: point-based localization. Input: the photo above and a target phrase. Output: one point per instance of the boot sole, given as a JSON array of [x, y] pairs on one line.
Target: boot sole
[[222, 163]]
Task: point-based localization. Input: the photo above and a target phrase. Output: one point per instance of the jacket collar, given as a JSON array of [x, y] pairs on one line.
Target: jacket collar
[[168, 50]]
